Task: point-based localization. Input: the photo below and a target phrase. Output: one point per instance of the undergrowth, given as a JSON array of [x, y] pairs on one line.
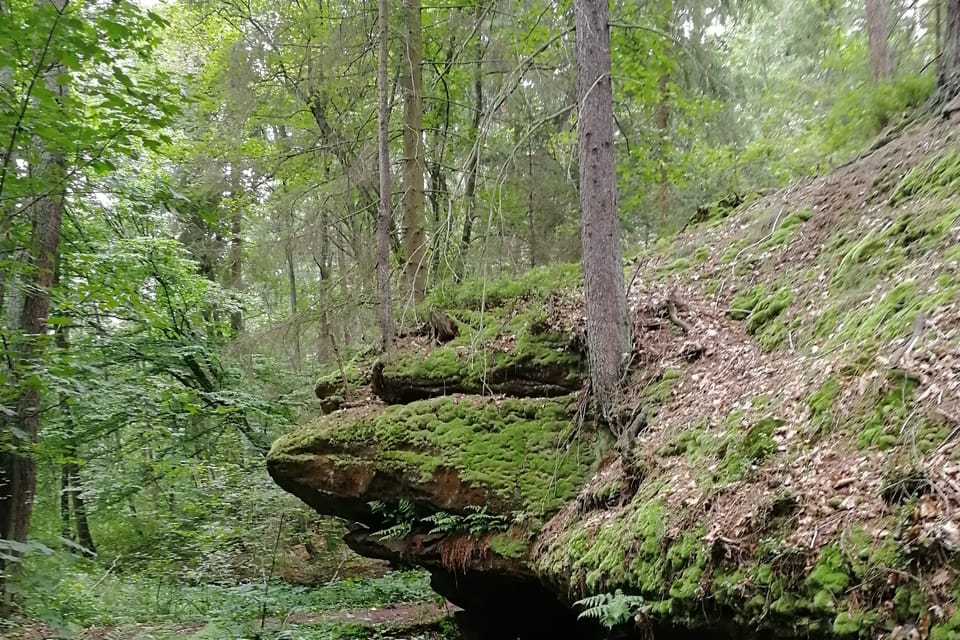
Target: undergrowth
[[71, 594]]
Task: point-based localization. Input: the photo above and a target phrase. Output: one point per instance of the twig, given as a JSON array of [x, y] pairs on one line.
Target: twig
[[336, 573], [112, 566]]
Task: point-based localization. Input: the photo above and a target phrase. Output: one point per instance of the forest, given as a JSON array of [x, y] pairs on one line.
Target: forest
[[479, 319]]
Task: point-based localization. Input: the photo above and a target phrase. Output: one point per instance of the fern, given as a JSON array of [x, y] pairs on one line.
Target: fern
[[401, 518], [444, 522], [610, 610], [396, 532]]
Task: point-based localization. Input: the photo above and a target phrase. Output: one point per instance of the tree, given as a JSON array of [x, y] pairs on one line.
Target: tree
[[950, 74], [607, 330], [18, 466], [414, 237], [383, 154], [877, 40]]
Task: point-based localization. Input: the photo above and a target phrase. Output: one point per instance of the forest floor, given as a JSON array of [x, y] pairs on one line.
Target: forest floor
[[389, 620]]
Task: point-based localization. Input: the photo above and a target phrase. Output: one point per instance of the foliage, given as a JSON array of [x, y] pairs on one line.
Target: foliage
[[476, 522], [611, 609]]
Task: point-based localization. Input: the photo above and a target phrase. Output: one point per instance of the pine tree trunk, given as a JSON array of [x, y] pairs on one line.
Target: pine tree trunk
[[950, 77], [606, 309], [938, 35], [414, 238], [385, 209], [877, 40]]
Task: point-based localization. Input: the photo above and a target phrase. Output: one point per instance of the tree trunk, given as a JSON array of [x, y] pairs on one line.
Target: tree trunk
[[18, 471], [236, 245], [938, 35], [950, 77], [414, 239], [531, 206], [66, 522], [384, 209], [84, 538], [72, 505], [606, 307], [294, 305], [473, 160], [877, 40], [662, 123]]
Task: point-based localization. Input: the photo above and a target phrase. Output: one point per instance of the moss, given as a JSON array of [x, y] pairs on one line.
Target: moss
[[693, 442], [786, 229], [884, 413], [478, 292], [518, 341], [762, 308], [356, 369], [884, 253], [714, 212], [515, 448], [821, 405], [701, 255], [937, 177], [659, 391], [508, 546], [889, 318], [746, 448], [848, 624], [828, 579], [948, 629]]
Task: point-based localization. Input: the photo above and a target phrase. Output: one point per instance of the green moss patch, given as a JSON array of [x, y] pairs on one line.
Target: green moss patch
[[786, 229], [762, 308], [885, 414], [937, 177], [885, 252], [512, 353], [526, 452], [477, 293], [888, 318]]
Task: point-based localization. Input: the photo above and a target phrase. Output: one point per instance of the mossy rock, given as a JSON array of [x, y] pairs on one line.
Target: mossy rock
[[510, 354], [445, 453]]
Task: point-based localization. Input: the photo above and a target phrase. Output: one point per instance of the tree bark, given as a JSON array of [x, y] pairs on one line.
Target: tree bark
[[662, 123], [938, 35], [414, 239], [606, 308], [877, 40], [383, 159], [473, 160], [236, 245], [294, 304], [950, 76], [18, 471]]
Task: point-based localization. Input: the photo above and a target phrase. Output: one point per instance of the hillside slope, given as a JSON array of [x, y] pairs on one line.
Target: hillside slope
[[792, 466]]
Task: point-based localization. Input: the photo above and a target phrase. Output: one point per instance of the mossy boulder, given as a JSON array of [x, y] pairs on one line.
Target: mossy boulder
[[442, 454], [506, 352]]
